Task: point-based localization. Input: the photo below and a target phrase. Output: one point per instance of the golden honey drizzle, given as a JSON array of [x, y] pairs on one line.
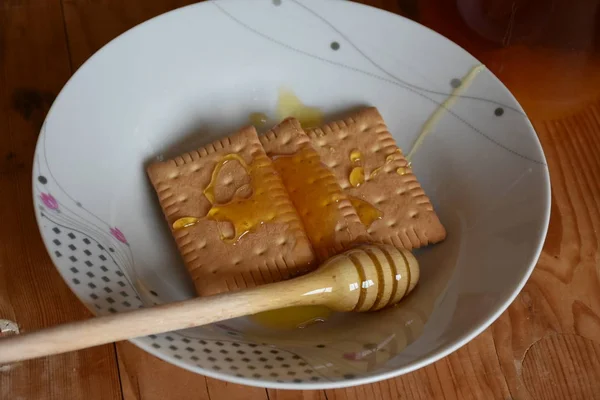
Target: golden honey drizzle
[[292, 317], [367, 213], [185, 222], [441, 110], [357, 176], [355, 155], [245, 214], [258, 119], [376, 172], [391, 157], [302, 174], [388, 160], [209, 191], [289, 105], [365, 210]]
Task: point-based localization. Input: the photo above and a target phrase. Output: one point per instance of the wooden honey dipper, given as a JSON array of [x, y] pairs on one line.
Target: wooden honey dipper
[[366, 278]]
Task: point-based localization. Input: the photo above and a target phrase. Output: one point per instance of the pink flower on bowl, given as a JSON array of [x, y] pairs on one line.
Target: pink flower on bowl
[[116, 232], [49, 201]]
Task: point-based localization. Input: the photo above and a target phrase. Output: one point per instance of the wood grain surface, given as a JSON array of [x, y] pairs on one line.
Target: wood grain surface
[[545, 346]]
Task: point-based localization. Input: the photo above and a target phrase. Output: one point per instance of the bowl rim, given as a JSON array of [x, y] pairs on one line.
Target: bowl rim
[[432, 357]]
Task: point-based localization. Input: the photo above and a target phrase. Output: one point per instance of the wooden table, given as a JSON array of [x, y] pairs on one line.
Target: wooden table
[[546, 346]]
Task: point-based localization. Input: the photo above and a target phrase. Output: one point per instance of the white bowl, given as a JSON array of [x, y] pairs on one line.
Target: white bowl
[[194, 74]]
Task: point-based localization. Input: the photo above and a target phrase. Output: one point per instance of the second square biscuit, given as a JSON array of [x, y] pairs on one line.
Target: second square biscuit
[[330, 221]]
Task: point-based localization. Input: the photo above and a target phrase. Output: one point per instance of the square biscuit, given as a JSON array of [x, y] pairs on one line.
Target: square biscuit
[[245, 230], [330, 221], [370, 167]]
